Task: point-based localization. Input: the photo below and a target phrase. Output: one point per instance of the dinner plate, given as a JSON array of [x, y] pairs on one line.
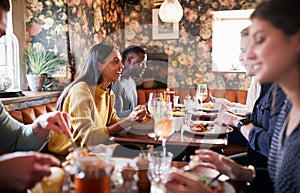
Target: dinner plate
[[209, 173], [208, 110], [203, 114], [213, 129], [143, 126]]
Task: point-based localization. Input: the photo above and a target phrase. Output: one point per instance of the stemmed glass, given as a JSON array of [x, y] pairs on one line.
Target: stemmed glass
[[164, 126], [201, 94], [155, 107]]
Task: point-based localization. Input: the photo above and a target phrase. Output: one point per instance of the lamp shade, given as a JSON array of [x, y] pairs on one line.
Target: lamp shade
[[170, 11]]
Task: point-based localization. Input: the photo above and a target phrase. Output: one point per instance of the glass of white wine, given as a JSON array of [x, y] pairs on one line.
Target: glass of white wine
[[164, 125], [201, 94], [155, 107]]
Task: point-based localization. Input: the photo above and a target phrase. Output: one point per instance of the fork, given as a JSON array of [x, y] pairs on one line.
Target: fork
[[215, 178], [73, 143]]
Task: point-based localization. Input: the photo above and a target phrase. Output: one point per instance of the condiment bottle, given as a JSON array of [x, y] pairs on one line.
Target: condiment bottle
[[169, 96], [142, 163], [129, 180]]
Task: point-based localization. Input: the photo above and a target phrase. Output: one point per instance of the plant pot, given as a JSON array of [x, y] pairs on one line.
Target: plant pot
[[35, 82]]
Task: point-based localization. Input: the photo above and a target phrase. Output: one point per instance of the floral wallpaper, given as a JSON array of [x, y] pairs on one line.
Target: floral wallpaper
[[47, 28], [190, 55], [71, 27]]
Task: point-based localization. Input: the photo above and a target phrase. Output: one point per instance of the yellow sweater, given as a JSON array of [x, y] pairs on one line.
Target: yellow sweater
[[91, 111]]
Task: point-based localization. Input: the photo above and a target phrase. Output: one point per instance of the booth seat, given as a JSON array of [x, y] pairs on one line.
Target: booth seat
[[238, 96], [28, 115]]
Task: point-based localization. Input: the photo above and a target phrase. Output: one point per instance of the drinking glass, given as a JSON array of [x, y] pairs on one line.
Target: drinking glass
[[155, 108], [201, 94], [155, 102], [159, 166], [187, 118]]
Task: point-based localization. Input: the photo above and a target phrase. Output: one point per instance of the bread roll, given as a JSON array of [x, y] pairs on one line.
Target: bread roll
[[52, 183]]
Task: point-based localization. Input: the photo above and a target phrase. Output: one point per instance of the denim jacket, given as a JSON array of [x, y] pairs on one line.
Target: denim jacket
[[264, 117]]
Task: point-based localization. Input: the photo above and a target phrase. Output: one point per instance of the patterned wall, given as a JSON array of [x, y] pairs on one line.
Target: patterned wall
[[190, 55], [71, 27]]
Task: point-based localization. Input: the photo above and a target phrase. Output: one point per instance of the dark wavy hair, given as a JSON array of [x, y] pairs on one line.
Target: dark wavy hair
[[5, 5], [282, 14], [90, 72]]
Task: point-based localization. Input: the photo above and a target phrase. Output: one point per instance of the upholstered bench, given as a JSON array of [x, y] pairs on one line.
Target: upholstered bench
[[28, 115], [238, 96]]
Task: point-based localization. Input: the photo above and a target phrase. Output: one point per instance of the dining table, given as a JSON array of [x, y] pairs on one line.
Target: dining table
[[230, 186], [178, 138]]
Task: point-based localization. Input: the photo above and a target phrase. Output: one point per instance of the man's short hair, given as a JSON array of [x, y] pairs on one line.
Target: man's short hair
[[5, 5], [133, 49], [245, 32]]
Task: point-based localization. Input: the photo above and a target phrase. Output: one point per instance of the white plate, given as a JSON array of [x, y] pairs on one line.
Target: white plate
[[228, 188], [207, 110], [214, 130], [179, 106], [143, 126], [209, 173]]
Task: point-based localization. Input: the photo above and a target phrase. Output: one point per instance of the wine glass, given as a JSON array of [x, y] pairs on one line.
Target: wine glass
[[164, 125], [155, 107], [201, 94]]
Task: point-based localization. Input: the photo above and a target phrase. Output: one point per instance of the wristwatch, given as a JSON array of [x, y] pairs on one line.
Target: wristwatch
[[242, 122]]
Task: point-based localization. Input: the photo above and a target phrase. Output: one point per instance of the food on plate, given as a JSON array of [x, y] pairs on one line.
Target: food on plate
[[208, 105], [195, 161], [216, 186], [52, 183], [147, 119], [178, 113], [146, 124], [200, 127]]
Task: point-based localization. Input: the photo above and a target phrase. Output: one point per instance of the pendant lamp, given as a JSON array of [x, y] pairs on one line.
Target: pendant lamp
[[170, 11]]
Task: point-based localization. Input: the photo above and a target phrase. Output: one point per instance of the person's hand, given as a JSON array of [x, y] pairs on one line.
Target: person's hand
[[223, 101], [138, 114], [22, 170], [221, 163], [58, 122], [179, 183], [227, 118]]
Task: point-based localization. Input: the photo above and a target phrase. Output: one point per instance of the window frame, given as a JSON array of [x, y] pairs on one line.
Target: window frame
[[232, 22]]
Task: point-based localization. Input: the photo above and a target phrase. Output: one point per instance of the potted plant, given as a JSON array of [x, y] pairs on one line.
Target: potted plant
[[39, 64]]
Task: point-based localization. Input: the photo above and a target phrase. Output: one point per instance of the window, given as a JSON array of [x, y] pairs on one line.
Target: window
[[9, 54], [226, 39]]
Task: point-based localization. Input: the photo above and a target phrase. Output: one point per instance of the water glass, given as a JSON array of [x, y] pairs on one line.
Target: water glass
[[186, 119], [188, 104], [159, 166]]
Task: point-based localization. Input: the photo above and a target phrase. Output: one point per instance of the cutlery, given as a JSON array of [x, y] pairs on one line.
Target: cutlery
[[73, 143], [215, 178]]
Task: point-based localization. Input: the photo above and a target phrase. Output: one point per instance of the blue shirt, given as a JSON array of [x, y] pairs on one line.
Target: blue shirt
[[264, 116]]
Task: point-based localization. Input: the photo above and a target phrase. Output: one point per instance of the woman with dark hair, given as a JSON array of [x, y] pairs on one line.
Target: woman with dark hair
[[90, 102], [275, 52]]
